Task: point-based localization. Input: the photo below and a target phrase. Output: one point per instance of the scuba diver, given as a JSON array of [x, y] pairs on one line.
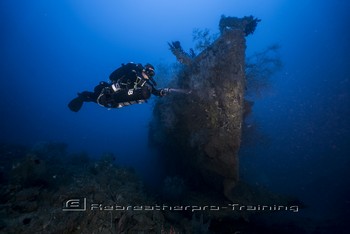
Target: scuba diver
[[130, 84]]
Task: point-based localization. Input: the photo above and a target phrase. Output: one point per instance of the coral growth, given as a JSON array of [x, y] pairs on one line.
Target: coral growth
[[110, 198], [260, 67], [200, 133], [180, 54], [203, 38], [42, 179], [246, 24]]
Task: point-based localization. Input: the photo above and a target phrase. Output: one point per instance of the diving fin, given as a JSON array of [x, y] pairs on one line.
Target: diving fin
[[76, 104]]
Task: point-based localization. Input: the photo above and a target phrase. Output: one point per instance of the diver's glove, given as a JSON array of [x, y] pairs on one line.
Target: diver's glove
[[164, 92]]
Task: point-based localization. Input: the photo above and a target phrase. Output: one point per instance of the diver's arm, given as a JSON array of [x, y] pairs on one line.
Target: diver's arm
[[156, 92]]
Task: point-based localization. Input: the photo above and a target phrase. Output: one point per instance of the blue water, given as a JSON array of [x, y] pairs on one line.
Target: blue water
[[50, 50]]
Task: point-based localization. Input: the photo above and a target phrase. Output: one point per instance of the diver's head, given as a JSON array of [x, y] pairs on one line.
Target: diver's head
[[149, 69]]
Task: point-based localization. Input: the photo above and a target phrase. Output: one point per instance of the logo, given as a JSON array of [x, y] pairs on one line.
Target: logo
[[78, 204]]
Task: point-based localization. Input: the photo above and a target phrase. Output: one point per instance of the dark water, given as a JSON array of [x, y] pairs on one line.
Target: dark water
[[52, 49]]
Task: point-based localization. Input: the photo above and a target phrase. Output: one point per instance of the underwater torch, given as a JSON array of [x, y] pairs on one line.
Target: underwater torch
[[171, 90]]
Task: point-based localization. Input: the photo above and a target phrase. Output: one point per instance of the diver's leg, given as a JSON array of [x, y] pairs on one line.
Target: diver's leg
[[86, 96]]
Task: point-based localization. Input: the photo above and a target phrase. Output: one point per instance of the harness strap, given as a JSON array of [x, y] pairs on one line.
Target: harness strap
[[139, 82]]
